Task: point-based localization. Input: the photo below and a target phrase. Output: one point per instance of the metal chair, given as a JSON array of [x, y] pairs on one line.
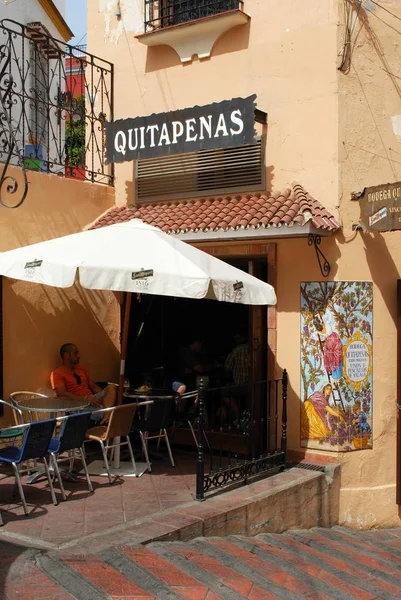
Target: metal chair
[[71, 437], [190, 416], [119, 426], [16, 397], [159, 416], [35, 445], [15, 432]]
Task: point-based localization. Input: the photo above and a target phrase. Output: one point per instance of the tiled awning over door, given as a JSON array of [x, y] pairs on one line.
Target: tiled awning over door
[[291, 208]]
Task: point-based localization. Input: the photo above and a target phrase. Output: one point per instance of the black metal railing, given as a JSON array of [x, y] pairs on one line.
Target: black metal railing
[[163, 13], [54, 102], [242, 432]]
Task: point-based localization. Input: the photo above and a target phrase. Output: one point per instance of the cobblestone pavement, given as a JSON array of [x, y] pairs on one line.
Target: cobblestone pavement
[[316, 564]]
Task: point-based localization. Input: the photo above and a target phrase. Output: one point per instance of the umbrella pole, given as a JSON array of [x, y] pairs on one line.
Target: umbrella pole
[[124, 342]]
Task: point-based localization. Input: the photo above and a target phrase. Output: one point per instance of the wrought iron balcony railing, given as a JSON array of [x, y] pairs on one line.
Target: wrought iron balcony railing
[[163, 13], [54, 101]]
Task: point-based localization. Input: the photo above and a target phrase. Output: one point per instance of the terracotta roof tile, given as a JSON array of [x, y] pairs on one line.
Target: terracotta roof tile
[[292, 206]]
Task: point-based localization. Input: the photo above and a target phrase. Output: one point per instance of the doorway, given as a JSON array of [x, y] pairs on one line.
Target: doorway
[[160, 326]]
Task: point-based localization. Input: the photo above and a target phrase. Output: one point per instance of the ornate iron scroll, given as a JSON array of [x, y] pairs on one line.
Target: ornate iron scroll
[[8, 141], [54, 102], [324, 265]]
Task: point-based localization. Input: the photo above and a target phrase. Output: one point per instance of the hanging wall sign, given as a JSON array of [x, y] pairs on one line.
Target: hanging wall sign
[[381, 207], [219, 125]]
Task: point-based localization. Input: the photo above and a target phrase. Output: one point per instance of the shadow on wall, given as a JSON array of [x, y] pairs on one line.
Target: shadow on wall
[[384, 272], [299, 263], [39, 319], [164, 57]]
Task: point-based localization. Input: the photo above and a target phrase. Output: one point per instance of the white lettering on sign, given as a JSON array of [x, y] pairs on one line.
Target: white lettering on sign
[[225, 124], [357, 361], [151, 136], [386, 194]]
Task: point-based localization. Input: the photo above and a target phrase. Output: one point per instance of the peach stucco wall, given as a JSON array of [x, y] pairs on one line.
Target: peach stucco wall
[[335, 133], [38, 319], [275, 56]]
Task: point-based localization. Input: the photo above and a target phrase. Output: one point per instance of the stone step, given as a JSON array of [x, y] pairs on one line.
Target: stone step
[[317, 564], [368, 558], [23, 579], [358, 582], [388, 540]]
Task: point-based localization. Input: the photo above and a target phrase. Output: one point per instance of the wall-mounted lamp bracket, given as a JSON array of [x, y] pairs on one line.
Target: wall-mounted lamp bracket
[[324, 264]]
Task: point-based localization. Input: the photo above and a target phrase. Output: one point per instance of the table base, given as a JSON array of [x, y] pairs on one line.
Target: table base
[[41, 474], [124, 470]]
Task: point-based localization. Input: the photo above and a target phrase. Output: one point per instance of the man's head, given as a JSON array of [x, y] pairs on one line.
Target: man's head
[[69, 354]]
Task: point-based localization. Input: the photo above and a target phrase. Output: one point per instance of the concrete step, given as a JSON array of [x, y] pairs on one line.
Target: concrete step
[[317, 564]]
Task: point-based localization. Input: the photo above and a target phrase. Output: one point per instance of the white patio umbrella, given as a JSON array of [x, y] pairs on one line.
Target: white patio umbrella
[[134, 257]]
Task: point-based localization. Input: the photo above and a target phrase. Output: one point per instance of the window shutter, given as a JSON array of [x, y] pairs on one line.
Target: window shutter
[[211, 171]]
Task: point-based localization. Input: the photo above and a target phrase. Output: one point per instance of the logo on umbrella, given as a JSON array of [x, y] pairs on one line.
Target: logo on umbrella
[[31, 266]]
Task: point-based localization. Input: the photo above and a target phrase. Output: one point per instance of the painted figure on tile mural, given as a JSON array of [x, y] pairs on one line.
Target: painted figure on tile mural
[[360, 420], [314, 422], [330, 343]]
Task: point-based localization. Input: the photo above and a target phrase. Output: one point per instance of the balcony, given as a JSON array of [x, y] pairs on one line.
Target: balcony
[[54, 102], [191, 27]]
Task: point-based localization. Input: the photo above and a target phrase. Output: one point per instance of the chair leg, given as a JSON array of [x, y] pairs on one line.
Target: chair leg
[[169, 448], [21, 491], [1, 520], [82, 451], [131, 454], [58, 475], [106, 462], [158, 441], [49, 479], [145, 451], [193, 433], [194, 436]]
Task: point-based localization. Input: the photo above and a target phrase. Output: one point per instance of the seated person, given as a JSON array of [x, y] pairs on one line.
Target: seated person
[[192, 363], [72, 380]]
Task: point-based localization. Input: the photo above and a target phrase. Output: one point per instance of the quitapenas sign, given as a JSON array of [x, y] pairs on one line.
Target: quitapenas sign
[[218, 125]]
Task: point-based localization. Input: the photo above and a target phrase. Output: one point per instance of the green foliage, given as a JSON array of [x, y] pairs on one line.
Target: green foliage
[[75, 146]]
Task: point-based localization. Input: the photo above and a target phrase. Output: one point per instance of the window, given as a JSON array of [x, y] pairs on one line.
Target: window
[[163, 13], [221, 170]]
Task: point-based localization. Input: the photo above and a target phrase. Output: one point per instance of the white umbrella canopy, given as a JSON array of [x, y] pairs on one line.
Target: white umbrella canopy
[[134, 257]]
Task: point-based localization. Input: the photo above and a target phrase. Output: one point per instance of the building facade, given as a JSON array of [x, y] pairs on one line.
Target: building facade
[[38, 202], [325, 75]]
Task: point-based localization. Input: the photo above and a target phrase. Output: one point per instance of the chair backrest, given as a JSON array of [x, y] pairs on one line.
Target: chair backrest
[[36, 439], [159, 414], [17, 397], [18, 414], [120, 420], [73, 429]]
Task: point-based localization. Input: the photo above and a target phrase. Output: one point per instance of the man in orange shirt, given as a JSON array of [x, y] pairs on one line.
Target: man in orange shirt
[[72, 380]]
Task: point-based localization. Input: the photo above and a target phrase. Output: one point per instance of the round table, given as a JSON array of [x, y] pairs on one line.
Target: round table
[[151, 395], [52, 405]]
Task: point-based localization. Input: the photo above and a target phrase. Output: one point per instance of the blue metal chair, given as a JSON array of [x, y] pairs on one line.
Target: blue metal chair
[[35, 445], [71, 437], [15, 432]]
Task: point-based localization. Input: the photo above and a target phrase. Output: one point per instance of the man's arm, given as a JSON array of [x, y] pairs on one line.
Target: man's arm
[[95, 389], [62, 393]]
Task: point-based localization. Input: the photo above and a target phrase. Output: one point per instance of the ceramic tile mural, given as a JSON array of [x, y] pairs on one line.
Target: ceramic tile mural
[[336, 365]]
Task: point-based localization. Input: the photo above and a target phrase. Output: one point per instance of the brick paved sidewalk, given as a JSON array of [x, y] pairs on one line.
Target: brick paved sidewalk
[[316, 564]]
